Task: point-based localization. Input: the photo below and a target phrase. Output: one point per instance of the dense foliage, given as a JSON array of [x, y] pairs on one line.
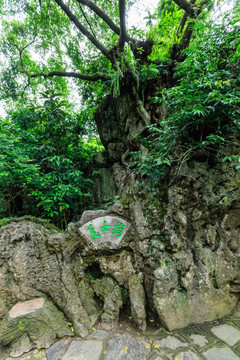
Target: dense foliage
[[44, 154], [46, 145], [203, 108]]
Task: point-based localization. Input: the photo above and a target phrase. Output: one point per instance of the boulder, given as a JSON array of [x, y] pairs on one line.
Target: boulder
[[32, 324], [32, 265], [138, 301], [110, 293]]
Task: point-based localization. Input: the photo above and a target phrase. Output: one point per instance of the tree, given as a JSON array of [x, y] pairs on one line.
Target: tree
[[43, 162], [60, 32], [89, 42]]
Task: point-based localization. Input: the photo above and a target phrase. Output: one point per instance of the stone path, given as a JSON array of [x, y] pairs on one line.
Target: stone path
[[216, 341]]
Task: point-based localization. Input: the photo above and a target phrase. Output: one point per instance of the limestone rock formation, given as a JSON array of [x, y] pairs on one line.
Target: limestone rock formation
[[32, 265], [176, 257], [32, 324]]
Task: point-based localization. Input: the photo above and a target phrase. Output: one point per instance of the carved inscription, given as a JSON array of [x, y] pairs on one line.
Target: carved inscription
[[105, 229]]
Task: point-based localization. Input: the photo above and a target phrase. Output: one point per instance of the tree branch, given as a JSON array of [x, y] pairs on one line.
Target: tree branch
[[183, 20], [187, 6], [85, 17], [94, 77], [122, 17], [104, 17], [83, 30]]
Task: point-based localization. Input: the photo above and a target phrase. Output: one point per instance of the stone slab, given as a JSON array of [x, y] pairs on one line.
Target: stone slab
[[105, 229], [127, 348], [199, 340], [170, 342], [83, 350], [26, 307], [187, 355], [227, 333], [100, 334], [220, 354], [55, 351]]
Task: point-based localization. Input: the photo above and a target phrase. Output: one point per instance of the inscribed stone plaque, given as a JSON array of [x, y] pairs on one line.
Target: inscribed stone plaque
[[104, 229]]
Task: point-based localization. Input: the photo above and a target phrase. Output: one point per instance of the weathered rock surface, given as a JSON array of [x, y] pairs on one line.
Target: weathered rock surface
[[119, 266], [32, 265], [32, 324], [138, 301], [109, 291], [199, 282], [178, 257], [127, 344], [27, 326]]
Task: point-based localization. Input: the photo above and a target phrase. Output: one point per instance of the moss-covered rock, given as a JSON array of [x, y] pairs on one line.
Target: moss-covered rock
[[32, 324]]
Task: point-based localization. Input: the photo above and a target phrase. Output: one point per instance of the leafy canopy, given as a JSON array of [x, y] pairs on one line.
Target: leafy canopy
[[203, 108]]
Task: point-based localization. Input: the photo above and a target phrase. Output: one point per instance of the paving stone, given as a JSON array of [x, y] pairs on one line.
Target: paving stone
[[187, 355], [170, 342], [220, 354], [227, 333], [100, 334], [199, 340], [56, 350], [83, 350], [127, 348]]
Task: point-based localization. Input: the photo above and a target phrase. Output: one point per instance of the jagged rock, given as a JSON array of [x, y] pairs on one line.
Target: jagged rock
[[32, 264], [138, 301], [202, 230], [178, 308], [186, 248], [119, 266], [109, 291], [140, 222], [86, 294], [30, 324], [104, 188]]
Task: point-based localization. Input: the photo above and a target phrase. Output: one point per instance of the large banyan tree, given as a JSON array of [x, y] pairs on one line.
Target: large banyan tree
[[161, 100], [89, 41]]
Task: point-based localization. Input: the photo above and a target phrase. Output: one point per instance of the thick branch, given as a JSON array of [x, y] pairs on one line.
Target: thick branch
[[94, 77], [82, 28], [104, 17], [187, 6], [183, 20], [189, 29], [122, 17]]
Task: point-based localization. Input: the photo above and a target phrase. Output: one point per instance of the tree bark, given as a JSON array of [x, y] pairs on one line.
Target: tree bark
[[187, 6], [122, 17], [94, 77]]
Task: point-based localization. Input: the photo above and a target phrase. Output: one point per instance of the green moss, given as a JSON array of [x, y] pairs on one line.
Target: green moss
[[162, 239]]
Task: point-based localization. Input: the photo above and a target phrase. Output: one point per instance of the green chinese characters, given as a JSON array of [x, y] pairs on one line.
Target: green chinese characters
[[116, 230], [94, 233], [105, 227]]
